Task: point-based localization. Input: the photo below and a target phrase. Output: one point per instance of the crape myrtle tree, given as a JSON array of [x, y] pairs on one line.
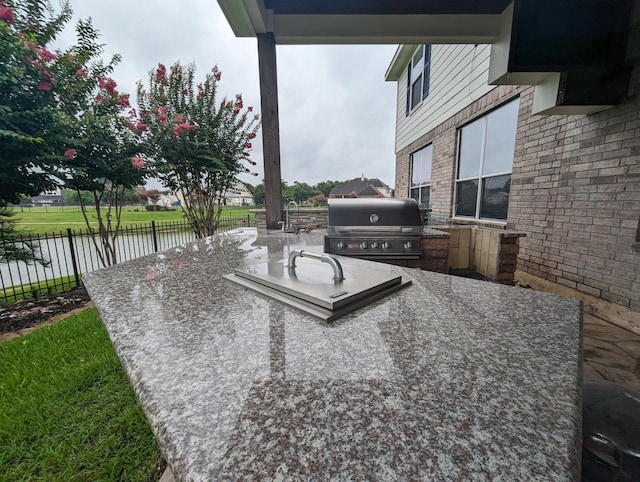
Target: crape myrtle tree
[[102, 159], [198, 146], [29, 118]]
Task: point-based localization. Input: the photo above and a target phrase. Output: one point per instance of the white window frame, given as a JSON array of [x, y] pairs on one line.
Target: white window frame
[[419, 187], [480, 177], [418, 70]]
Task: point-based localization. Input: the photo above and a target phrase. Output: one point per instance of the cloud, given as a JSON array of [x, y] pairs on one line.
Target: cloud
[[337, 114]]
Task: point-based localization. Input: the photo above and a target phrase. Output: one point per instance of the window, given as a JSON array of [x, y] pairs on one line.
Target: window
[[485, 157], [421, 174], [418, 73]]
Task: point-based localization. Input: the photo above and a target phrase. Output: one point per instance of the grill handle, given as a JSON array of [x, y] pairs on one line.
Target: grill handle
[[338, 275]]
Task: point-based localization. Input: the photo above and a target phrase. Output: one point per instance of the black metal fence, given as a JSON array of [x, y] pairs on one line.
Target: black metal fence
[[72, 253]]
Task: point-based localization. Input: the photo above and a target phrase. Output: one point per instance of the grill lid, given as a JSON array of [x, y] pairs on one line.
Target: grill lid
[[374, 215]]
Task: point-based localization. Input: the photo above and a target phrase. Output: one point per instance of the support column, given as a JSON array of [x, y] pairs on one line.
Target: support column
[[270, 128]]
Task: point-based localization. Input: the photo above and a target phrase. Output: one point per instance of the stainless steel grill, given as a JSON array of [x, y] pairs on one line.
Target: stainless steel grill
[[374, 228]]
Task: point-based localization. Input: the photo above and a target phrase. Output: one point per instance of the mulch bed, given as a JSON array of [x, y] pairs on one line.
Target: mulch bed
[[28, 313]]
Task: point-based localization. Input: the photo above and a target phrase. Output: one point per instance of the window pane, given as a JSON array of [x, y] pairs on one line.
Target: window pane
[[470, 149], [424, 194], [416, 89], [466, 198], [495, 197], [427, 71], [501, 139], [421, 166], [415, 194]]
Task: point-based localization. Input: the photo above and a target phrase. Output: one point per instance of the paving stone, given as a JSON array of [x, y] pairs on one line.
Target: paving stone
[[605, 357], [604, 345], [590, 373], [631, 347], [625, 377]]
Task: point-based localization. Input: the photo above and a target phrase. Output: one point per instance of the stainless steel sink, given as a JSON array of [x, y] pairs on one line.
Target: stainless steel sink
[[303, 283]]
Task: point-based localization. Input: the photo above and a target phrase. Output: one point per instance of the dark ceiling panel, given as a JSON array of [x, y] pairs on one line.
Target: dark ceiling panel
[[385, 7]]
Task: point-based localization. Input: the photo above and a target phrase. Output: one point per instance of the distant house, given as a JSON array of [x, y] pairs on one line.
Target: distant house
[[361, 187], [48, 198], [237, 195]]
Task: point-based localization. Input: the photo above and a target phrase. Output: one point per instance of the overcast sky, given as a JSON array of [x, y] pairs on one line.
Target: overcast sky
[[337, 114]]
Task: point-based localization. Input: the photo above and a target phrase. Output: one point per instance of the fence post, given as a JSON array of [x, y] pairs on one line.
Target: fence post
[[74, 263], [153, 236], [248, 220]]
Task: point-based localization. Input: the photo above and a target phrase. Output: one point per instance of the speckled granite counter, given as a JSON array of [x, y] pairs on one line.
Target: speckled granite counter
[[448, 379]]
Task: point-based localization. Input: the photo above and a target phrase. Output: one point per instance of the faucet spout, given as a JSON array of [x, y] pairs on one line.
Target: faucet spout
[[287, 223]]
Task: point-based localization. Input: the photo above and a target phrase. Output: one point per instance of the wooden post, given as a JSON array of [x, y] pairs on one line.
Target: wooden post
[[270, 128]]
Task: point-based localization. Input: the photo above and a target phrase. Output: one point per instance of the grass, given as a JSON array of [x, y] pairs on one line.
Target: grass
[[67, 411], [40, 220], [37, 290]]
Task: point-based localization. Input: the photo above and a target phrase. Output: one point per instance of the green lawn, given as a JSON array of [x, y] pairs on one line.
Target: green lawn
[[40, 220], [67, 411]]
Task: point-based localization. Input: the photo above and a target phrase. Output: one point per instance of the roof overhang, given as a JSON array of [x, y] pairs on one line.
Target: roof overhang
[[533, 41], [296, 22]]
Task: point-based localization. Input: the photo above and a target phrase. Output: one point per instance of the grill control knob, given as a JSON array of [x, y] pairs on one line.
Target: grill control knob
[[375, 245], [386, 245], [408, 245], [342, 245], [364, 245]]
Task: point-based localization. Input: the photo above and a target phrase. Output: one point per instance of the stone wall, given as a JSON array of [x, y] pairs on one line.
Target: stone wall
[[303, 218]]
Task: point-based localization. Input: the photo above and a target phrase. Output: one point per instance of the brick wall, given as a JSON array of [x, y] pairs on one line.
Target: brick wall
[[575, 192]]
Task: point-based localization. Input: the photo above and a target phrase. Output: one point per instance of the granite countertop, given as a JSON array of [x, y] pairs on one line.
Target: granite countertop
[[447, 379]]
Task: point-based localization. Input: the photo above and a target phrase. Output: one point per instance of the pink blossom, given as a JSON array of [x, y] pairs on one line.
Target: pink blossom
[[163, 118], [161, 74], [253, 163], [176, 132], [187, 127], [179, 118], [82, 73], [255, 173], [185, 91], [152, 273], [138, 162], [108, 84], [100, 99], [6, 14], [123, 101], [141, 127], [216, 72], [236, 111], [252, 135], [70, 153], [45, 55], [256, 117], [250, 108], [44, 86], [248, 145], [164, 109], [31, 45], [132, 113]]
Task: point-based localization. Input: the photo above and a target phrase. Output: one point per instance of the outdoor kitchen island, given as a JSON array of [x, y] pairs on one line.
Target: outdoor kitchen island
[[446, 379]]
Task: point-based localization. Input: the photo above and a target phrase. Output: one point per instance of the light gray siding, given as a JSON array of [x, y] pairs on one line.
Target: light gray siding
[[459, 75]]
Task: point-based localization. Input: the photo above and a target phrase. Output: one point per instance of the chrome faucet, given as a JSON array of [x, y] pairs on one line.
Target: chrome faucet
[[287, 223]]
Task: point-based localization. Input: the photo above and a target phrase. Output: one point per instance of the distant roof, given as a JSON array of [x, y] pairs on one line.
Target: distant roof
[[361, 186]]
